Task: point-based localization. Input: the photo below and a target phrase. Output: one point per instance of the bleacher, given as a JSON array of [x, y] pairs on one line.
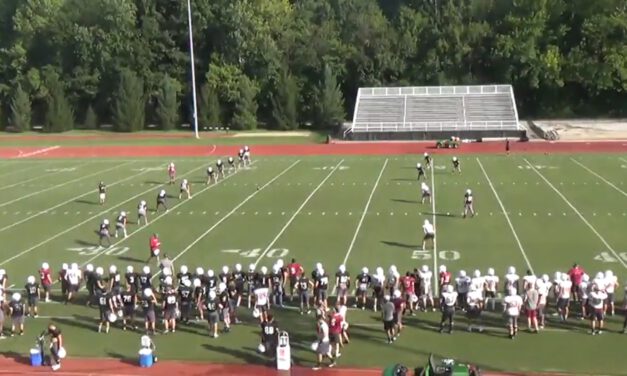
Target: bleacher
[[433, 112]]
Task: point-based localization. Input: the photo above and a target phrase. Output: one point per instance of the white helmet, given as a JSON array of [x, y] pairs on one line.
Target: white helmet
[[64, 266], [106, 221], [539, 284], [74, 266], [275, 269], [442, 268], [449, 288], [129, 269], [462, 273], [148, 292], [426, 154], [279, 262], [379, 270], [318, 266], [251, 267], [221, 287], [476, 273], [210, 273], [545, 278], [212, 294], [426, 222], [45, 266], [585, 278], [342, 268], [184, 181], [219, 161], [197, 282], [609, 274], [468, 192], [238, 267], [225, 269], [454, 158], [264, 270], [167, 271], [30, 279], [241, 150], [418, 165], [364, 270], [321, 271], [187, 283], [511, 270], [167, 280], [424, 185], [565, 277], [162, 192], [89, 268], [184, 269], [99, 270], [146, 269], [113, 269], [393, 269], [397, 293], [599, 275], [200, 271], [424, 268], [210, 169], [142, 202], [16, 296], [123, 213], [491, 271], [558, 276]]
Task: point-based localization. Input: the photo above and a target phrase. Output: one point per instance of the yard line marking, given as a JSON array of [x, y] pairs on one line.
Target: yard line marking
[[600, 177], [35, 152], [61, 185], [162, 215], [289, 221], [509, 222], [45, 211], [18, 168], [607, 245], [39, 176], [227, 215], [363, 215], [43, 242], [436, 286]]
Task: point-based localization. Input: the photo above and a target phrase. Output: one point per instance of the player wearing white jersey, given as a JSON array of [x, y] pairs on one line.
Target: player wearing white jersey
[[185, 188], [490, 288], [611, 284], [511, 280], [584, 294], [142, 212], [426, 193], [462, 283], [597, 303], [429, 233], [563, 296], [477, 282], [512, 305], [426, 291], [474, 304], [469, 207], [529, 280], [543, 286], [120, 224]]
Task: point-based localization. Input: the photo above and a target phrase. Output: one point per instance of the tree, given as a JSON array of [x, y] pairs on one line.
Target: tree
[[91, 119], [59, 113], [209, 107], [21, 110], [168, 103], [284, 102], [129, 111], [245, 111], [329, 110]]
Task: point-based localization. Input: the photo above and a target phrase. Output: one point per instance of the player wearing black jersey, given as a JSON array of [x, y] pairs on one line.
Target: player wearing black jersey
[[102, 193], [129, 301]]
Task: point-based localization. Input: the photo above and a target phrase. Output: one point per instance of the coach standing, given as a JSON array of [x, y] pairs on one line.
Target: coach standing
[[387, 313], [56, 343]]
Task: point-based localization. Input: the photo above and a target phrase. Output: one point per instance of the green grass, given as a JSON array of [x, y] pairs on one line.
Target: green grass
[[104, 138], [302, 215]]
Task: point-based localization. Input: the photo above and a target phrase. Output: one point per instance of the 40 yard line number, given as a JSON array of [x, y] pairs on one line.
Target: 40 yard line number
[[607, 257], [256, 252], [419, 254]]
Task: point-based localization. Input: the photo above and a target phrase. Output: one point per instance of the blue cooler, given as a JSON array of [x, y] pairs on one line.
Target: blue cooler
[[145, 358], [36, 358]]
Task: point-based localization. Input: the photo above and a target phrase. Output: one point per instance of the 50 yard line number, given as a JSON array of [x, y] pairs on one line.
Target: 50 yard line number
[[419, 254], [607, 257]]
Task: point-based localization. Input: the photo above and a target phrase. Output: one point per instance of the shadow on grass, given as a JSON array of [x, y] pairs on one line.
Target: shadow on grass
[[405, 201], [246, 356], [403, 179], [123, 358], [79, 321], [86, 202], [130, 259], [153, 182], [401, 245], [449, 215], [17, 357], [86, 243]]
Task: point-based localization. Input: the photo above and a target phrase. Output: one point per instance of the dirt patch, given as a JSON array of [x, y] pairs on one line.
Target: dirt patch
[[587, 129]]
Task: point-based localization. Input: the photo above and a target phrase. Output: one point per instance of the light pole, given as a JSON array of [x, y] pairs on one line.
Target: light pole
[[191, 62]]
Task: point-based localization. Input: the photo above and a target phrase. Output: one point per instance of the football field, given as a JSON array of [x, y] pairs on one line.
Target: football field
[[535, 212]]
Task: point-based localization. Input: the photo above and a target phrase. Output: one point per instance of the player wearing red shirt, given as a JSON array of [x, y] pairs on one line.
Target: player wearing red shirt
[[294, 271], [576, 275], [46, 280], [172, 172], [444, 278], [409, 288], [399, 307], [155, 247], [335, 329]]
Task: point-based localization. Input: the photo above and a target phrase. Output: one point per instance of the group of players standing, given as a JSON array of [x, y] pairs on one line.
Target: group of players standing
[[213, 176]]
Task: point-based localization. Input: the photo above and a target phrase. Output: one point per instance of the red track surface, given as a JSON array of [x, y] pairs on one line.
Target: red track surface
[[366, 148], [16, 365]]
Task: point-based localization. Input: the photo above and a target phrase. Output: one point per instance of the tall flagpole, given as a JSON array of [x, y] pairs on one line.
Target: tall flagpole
[[191, 57]]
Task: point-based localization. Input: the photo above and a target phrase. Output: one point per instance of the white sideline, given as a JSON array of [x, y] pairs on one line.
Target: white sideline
[[60, 185], [607, 245], [16, 167], [43, 242], [35, 152], [70, 200], [600, 177], [227, 215], [436, 285], [509, 222], [363, 215], [39, 176], [289, 222], [161, 216]]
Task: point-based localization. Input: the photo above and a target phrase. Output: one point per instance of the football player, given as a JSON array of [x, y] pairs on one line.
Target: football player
[[429, 234], [211, 175], [428, 161], [142, 212], [120, 224], [220, 168], [231, 163], [172, 172], [185, 188], [240, 158], [103, 233], [426, 292], [247, 158], [161, 200], [362, 283], [421, 171], [342, 283], [468, 204], [102, 193], [456, 166], [426, 193]]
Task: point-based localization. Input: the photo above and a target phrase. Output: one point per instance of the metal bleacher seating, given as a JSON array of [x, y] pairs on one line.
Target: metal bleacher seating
[[435, 109]]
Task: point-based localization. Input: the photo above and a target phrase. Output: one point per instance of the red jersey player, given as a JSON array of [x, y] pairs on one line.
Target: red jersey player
[[46, 280], [408, 282], [155, 248], [444, 278], [172, 172], [294, 271]]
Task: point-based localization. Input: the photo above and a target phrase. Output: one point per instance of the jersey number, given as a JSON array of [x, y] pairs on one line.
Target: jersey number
[[444, 255]]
